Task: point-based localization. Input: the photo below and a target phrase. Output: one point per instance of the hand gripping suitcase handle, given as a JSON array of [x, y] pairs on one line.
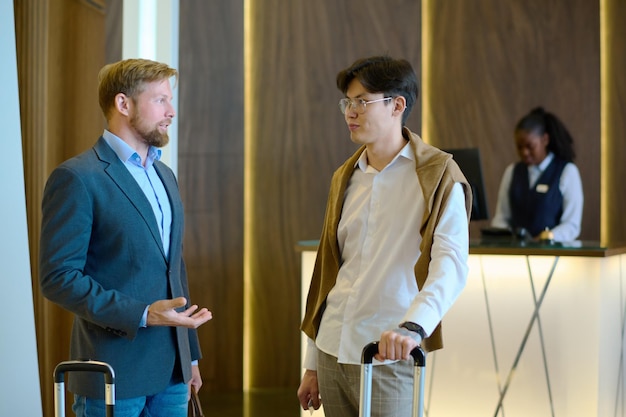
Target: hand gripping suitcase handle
[[419, 357], [371, 349], [83, 366]]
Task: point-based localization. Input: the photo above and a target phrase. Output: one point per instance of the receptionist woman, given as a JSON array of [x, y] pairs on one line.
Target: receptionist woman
[[542, 194]]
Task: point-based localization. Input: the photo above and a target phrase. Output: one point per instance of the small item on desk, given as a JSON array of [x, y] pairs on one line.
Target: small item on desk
[[496, 234], [546, 236], [521, 234]]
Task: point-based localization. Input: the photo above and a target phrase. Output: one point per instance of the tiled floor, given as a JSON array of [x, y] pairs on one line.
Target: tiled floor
[[261, 403]]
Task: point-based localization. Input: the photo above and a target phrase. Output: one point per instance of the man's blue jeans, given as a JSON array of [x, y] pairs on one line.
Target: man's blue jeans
[[169, 403]]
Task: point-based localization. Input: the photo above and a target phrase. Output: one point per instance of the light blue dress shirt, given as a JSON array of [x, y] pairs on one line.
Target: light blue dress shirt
[[149, 181], [151, 185]]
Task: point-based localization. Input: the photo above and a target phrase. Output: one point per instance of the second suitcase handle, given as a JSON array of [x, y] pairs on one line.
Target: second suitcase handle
[[419, 379]]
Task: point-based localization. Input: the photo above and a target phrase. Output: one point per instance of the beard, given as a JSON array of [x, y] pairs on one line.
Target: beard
[[151, 136]]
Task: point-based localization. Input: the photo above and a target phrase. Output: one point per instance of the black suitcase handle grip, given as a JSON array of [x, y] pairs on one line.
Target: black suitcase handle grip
[[371, 349], [84, 366]]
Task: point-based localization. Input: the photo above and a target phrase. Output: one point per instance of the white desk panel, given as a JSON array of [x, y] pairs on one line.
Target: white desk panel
[[548, 331]]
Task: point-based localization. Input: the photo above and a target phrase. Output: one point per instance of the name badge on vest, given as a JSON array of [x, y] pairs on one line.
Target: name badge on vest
[[542, 188]]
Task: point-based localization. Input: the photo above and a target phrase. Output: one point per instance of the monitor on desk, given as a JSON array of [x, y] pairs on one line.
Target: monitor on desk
[[468, 159]]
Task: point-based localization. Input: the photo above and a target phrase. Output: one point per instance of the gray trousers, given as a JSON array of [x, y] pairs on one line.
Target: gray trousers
[[339, 385]]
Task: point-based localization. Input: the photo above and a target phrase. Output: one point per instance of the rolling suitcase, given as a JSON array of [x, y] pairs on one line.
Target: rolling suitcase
[[419, 379], [83, 366]]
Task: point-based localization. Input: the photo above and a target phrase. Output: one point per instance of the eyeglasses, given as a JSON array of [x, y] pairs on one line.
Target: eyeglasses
[[358, 104]]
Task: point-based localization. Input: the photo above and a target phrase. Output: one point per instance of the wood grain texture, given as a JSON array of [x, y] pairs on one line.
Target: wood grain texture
[[491, 62], [31, 29], [114, 18], [298, 138], [210, 172], [615, 140], [60, 48]]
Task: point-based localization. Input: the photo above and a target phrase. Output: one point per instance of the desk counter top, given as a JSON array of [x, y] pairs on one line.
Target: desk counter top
[[502, 246]]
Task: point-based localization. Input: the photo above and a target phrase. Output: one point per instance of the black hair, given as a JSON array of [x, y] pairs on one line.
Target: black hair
[[383, 74], [560, 141]]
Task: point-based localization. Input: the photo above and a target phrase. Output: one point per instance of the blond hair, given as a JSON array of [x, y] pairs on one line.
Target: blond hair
[[129, 77]]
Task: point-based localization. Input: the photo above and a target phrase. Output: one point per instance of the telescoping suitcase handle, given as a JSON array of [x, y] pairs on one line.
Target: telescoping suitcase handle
[[83, 366], [419, 379]]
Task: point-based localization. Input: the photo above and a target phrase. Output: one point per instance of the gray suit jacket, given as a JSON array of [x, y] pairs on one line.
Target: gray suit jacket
[[102, 259]]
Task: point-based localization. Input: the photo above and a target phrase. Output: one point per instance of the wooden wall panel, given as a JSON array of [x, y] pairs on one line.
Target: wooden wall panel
[[490, 62], [76, 54], [614, 198], [297, 138], [31, 27], [60, 48], [210, 172], [113, 30]]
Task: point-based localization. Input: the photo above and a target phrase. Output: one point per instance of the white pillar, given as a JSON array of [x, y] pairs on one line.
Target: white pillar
[[150, 31], [19, 386]]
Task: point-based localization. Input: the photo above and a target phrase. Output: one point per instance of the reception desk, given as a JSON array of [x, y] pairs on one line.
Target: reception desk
[[538, 331]]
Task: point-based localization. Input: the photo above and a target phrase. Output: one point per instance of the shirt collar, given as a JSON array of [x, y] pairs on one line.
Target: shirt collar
[[126, 153], [405, 152], [544, 164]]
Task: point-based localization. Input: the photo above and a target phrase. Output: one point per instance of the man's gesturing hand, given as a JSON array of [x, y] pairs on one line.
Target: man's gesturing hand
[[163, 313]]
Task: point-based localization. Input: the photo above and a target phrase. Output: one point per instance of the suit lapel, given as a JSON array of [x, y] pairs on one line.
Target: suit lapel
[[171, 187], [118, 173]]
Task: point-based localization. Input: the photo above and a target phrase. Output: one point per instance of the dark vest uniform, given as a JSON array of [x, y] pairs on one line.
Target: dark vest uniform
[[539, 207]]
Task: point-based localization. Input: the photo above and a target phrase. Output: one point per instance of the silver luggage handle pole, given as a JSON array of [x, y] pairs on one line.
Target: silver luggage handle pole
[[419, 379], [419, 374], [367, 355], [83, 366]]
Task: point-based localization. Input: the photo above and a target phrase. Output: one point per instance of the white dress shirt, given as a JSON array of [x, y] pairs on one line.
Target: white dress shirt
[[379, 239], [570, 186]]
